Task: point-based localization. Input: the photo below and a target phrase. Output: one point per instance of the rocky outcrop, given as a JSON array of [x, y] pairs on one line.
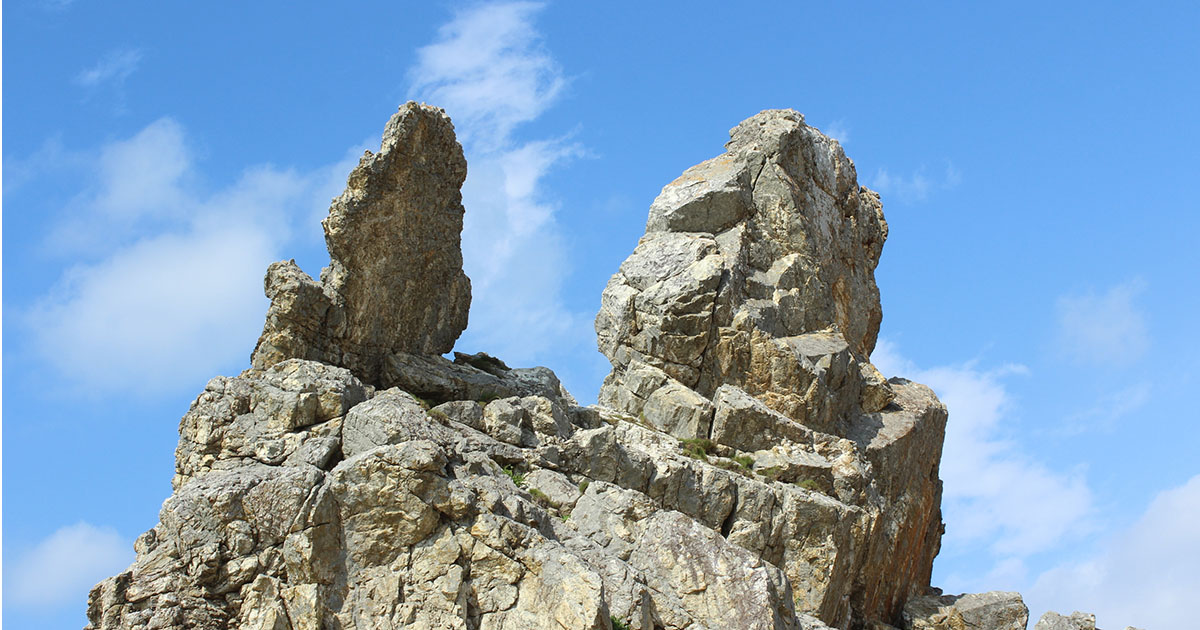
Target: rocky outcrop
[[395, 281], [1075, 621], [747, 466], [746, 316], [984, 611], [757, 270]]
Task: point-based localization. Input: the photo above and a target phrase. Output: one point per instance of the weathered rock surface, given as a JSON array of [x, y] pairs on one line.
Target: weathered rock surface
[[747, 468], [746, 316], [974, 611], [757, 270], [1076, 621], [395, 281]]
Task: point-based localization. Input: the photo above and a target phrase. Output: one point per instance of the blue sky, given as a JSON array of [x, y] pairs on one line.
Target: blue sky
[[1036, 164]]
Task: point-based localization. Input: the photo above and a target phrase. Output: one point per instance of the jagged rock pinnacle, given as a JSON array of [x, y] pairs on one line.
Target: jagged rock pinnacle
[[395, 281], [756, 270]]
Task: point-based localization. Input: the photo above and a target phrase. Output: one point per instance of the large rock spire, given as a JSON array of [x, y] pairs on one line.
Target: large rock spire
[[395, 281]]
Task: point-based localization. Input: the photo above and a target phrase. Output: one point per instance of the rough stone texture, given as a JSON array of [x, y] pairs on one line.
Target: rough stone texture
[[984, 611], [395, 281], [748, 468], [745, 257], [1076, 621], [746, 316]]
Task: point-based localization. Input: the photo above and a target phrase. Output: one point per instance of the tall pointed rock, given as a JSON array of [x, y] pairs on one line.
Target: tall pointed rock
[[395, 281]]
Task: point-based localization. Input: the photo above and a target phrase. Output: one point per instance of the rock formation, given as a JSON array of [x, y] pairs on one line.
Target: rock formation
[[747, 467], [395, 281]]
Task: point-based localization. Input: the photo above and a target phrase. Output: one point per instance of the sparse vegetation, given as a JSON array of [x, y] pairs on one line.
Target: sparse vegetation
[[543, 500], [697, 448], [732, 466], [439, 415], [517, 476], [809, 484], [772, 473], [617, 624], [745, 461], [583, 486]]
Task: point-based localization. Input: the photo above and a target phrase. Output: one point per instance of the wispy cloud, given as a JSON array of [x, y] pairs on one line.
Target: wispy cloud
[[995, 495], [113, 68], [1103, 329], [164, 288], [838, 130], [1145, 576], [63, 567], [489, 70], [916, 187], [1110, 408]]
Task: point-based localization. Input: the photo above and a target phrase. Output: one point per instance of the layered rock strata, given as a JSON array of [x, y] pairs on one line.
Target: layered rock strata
[[747, 468]]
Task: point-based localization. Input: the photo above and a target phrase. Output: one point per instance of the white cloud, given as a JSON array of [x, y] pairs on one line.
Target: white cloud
[[994, 495], [1103, 329], [916, 187], [166, 285], [488, 69], [115, 67], [62, 568], [1145, 576], [838, 131]]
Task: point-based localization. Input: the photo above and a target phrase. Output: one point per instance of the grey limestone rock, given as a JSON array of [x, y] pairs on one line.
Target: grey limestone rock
[[1076, 621], [745, 317], [772, 241], [395, 281], [995, 610], [747, 467]]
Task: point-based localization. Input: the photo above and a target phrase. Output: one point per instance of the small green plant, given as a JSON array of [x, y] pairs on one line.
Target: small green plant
[[425, 403], [439, 415], [517, 476], [771, 474], [697, 448], [543, 500], [809, 484], [745, 461], [583, 486], [732, 466], [617, 624]]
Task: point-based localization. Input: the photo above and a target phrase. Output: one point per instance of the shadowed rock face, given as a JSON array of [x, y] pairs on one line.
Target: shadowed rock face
[[395, 281]]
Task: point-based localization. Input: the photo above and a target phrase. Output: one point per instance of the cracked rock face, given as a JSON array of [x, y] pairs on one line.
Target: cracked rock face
[[770, 241], [747, 467], [395, 281]]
